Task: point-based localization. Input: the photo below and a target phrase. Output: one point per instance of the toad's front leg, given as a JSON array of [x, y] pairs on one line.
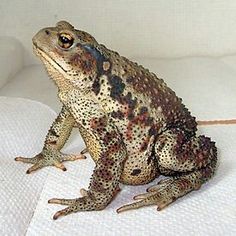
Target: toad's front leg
[[109, 158], [56, 138]]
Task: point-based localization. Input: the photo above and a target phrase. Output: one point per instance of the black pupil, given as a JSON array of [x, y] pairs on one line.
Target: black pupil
[[65, 40]]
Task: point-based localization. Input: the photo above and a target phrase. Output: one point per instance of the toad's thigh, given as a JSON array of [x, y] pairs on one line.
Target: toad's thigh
[[139, 169]]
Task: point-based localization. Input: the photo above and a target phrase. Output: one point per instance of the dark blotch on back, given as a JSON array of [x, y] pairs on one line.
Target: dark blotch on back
[[117, 87], [96, 86], [100, 59], [152, 131], [117, 115], [143, 110], [95, 53], [136, 172], [132, 102]]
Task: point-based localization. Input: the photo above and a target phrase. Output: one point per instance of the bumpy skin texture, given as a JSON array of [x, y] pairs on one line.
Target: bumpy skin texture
[[134, 126]]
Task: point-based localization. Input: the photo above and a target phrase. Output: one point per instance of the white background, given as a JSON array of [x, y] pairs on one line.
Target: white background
[[136, 28]]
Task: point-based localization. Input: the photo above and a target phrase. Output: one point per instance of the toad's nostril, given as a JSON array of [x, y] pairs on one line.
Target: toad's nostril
[[47, 32]]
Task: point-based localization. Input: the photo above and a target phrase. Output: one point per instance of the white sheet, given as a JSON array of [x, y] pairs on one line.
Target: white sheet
[[23, 126]]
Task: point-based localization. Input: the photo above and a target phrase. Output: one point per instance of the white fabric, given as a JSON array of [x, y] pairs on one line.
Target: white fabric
[[23, 126], [11, 58], [207, 86], [148, 28]]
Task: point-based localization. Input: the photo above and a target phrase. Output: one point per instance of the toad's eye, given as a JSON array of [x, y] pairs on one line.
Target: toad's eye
[[65, 40]]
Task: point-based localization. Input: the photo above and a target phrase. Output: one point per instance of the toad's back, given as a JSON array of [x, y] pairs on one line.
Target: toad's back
[[139, 97]]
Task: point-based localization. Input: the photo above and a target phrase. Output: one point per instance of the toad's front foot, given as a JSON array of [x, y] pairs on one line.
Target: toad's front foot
[[88, 202], [49, 157]]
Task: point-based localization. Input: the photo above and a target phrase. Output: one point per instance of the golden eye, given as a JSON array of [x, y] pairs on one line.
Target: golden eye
[[65, 40]]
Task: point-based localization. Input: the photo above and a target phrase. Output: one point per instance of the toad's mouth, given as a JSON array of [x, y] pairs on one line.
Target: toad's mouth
[[47, 59]]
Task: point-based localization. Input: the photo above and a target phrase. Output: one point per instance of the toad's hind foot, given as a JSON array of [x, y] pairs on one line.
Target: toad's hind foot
[[168, 190], [191, 161], [162, 194], [49, 158]]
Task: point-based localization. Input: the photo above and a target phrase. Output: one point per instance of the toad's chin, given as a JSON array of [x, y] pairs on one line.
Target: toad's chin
[[55, 71], [47, 60]]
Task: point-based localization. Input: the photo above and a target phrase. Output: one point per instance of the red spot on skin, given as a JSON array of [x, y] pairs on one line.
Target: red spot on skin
[[98, 123], [93, 123], [183, 184], [114, 148], [51, 142], [83, 60], [145, 144], [106, 160], [180, 139], [109, 136], [141, 120], [202, 155], [129, 131], [103, 174], [200, 159], [125, 110], [206, 172], [97, 186]]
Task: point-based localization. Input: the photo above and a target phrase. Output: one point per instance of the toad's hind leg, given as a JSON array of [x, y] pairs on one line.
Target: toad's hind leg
[[192, 160]]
